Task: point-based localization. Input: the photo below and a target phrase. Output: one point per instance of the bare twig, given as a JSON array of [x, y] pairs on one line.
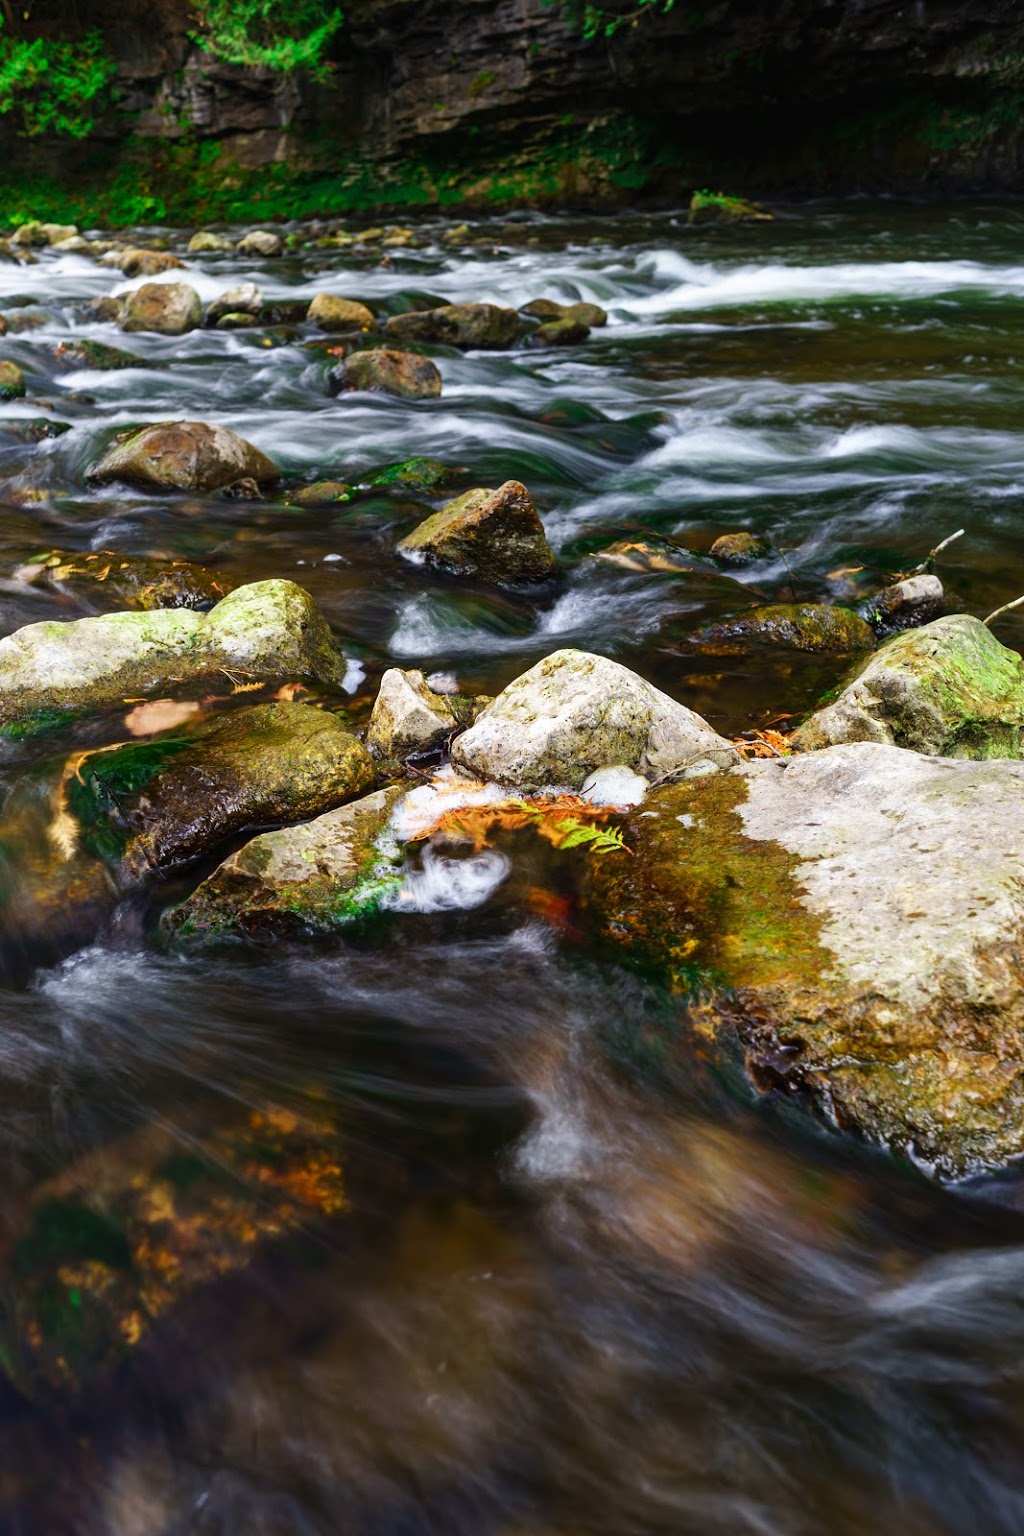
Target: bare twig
[[929, 559], [1018, 602]]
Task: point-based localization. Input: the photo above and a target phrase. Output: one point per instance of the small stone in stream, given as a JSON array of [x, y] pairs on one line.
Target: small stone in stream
[[909, 603], [574, 713], [392, 373], [156, 804], [409, 717], [949, 689], [237, 321], [260, 242], [618, 786], [85, 353], [246, 298], [323, 494], [183, 456], [652, 555], [12, 381], [168, 308], [38, 430], [135, 581], [245, 489], [855, 918], [740, 548], [74, 245], [204, 241], [469, 326], [266, 631], [300, 881], [794, 626], [106, 307], [559, 333], [494, 535], [331, 313], [583, 313], [138, 262]]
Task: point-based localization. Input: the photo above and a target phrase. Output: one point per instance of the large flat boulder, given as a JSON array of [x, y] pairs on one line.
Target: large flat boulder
[[264, 631], [183, 456], [949, 689], [855, 917], [574, 713]]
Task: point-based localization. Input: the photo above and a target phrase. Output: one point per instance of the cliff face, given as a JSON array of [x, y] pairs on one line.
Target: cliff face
[[500, 100]]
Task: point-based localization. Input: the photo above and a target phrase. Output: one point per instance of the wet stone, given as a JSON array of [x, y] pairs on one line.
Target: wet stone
[[332, 313], [468, 326], [581, 313], [389, 372], [740, 548], [135, 582], [793, 626], [170, 309], [12, 381], [260, 242], [245, 299], [183, 456], [494, 535], [408, 717]]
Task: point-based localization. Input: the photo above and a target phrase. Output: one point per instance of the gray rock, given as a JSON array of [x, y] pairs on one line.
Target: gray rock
[[184, 456], [573, 713], [948, 689], [260, 242], [246, 299], [171, 309], [616, 786], [408, 717], [264, 631], [856, 918], [311, 879], [494, 535]]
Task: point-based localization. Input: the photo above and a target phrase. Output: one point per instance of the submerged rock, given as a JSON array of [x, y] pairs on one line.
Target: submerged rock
[[409, 717], [418, 476], [796, 626], [86, 353], [906, 604], [155, 804], [470, 326], [332, 313], [559, 333], [652, 555], [136, 581], [264, 631], [323, 493], [851, 918], [168, 308], [740, 548], [310, 879], [12, 381], [405, 374], [949, 689], [573, 713], [494, 535], [183, 456]]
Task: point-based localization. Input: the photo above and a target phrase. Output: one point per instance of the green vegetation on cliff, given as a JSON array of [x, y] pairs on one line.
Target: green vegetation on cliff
[[53, 87], [285, 35]]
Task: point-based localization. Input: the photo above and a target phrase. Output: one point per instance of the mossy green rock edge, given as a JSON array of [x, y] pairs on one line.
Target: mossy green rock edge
[[847, 916]]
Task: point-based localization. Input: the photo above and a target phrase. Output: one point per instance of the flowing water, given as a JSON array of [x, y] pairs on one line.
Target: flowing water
[[460, 1234]]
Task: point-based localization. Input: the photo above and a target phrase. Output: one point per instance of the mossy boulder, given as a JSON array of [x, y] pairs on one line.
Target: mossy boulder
[[12, 381], [332, 313], [134, 581], [387, 371], [417, 477], [468, 326], [790, 626], [496, 536], [574, 713], [949, 689], [266, 631], [168, 308], [855, 921], [183, 456], [152, 805], [316, 878], [741, 548]]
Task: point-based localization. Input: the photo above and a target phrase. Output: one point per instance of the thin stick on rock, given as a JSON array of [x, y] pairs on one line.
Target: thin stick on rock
[[1018, 602]]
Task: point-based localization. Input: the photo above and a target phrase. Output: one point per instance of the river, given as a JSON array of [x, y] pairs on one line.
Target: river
[[461, 1235]]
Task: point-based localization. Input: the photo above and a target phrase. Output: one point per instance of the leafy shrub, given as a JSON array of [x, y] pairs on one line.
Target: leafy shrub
[[53, 87], [285, 35]]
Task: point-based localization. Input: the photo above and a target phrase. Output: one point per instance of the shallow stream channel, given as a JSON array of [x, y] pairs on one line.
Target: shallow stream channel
[[448, 1224]]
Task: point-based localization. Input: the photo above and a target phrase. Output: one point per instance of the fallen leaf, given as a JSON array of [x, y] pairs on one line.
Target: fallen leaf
[[160, 715]]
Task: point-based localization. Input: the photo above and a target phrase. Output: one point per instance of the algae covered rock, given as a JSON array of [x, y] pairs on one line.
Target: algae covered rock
[[469, 326], [183, 456], [204, 242], [575, 712], [83, 352], [322, 493], [332, 313], [409, 717], [136, 581], [265, 631], [719, 208], [851, 918], [549, 311], [559, 333], [389, 372], [168, 308], [315, 878], [12, 381], [740, 548], [949, 689], [154, 804], [494, 535], [793, 626]]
